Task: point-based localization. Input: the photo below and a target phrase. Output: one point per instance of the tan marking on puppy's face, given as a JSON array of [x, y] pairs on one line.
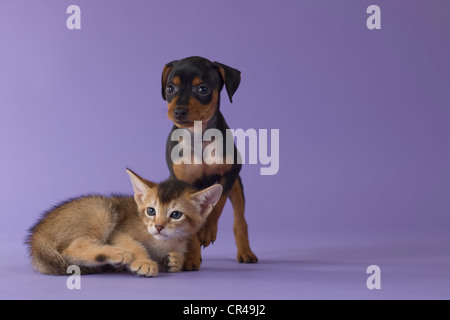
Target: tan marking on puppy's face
[[196, 81], [176, 81], [196, 110]]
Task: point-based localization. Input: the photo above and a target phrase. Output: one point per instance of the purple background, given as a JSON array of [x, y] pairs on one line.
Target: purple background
[[364, 120]]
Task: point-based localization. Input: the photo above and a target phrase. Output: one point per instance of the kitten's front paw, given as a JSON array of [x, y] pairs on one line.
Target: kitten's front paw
[[145, 268], [173, 262], [115, 257]]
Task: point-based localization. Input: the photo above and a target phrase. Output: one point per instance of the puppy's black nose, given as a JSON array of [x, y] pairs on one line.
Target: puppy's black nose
[[180, 113]]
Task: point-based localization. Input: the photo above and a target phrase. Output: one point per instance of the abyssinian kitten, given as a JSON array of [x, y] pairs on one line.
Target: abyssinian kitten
[[142, 234]]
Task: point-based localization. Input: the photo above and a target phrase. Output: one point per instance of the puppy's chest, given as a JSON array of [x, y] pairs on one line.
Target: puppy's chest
[[201, 166]]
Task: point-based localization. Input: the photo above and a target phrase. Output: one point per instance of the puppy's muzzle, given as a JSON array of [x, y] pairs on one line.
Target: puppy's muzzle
[[180, 113]]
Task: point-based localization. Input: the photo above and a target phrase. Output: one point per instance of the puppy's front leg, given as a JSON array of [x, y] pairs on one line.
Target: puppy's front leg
[[193, 257], [208, 233]]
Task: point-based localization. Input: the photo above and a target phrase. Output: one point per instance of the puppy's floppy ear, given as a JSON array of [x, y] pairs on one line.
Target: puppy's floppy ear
[[165, 75], [230, 76]]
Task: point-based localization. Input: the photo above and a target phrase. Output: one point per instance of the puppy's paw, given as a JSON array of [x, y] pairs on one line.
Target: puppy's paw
[[247, 257], [145, 268], [192, 262], [173, 262], [207, 234]]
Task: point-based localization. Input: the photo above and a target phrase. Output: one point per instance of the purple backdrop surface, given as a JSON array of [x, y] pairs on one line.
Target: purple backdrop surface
[[364, 120]]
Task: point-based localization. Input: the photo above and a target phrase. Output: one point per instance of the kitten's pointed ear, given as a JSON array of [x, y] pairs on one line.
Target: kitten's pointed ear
[[140, 185], [207, 199]]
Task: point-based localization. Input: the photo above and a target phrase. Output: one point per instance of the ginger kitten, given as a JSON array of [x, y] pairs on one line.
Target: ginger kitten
[[142, 234]]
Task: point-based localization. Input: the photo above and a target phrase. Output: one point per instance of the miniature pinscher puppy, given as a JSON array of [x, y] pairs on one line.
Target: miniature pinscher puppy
[[192, 87]]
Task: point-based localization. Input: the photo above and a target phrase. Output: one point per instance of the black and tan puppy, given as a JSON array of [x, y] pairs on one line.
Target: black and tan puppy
[[192, 87]]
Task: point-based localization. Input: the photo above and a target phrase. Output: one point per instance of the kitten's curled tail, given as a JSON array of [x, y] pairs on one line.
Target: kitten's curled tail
[[45, 258]]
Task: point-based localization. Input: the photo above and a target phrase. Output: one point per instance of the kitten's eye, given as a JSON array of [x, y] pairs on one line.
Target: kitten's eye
[[151, 212], [176, 215], [171, 88], [203, 90]]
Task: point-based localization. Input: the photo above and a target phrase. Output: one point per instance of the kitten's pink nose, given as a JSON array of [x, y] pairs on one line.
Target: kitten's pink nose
[[159, 227]]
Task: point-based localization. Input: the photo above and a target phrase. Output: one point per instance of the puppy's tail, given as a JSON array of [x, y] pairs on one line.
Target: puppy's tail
[[44, 257]]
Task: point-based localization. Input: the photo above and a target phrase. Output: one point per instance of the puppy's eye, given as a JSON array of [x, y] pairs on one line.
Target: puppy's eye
[[203, 90], [176, 215], [170, 89], [150, 212]]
